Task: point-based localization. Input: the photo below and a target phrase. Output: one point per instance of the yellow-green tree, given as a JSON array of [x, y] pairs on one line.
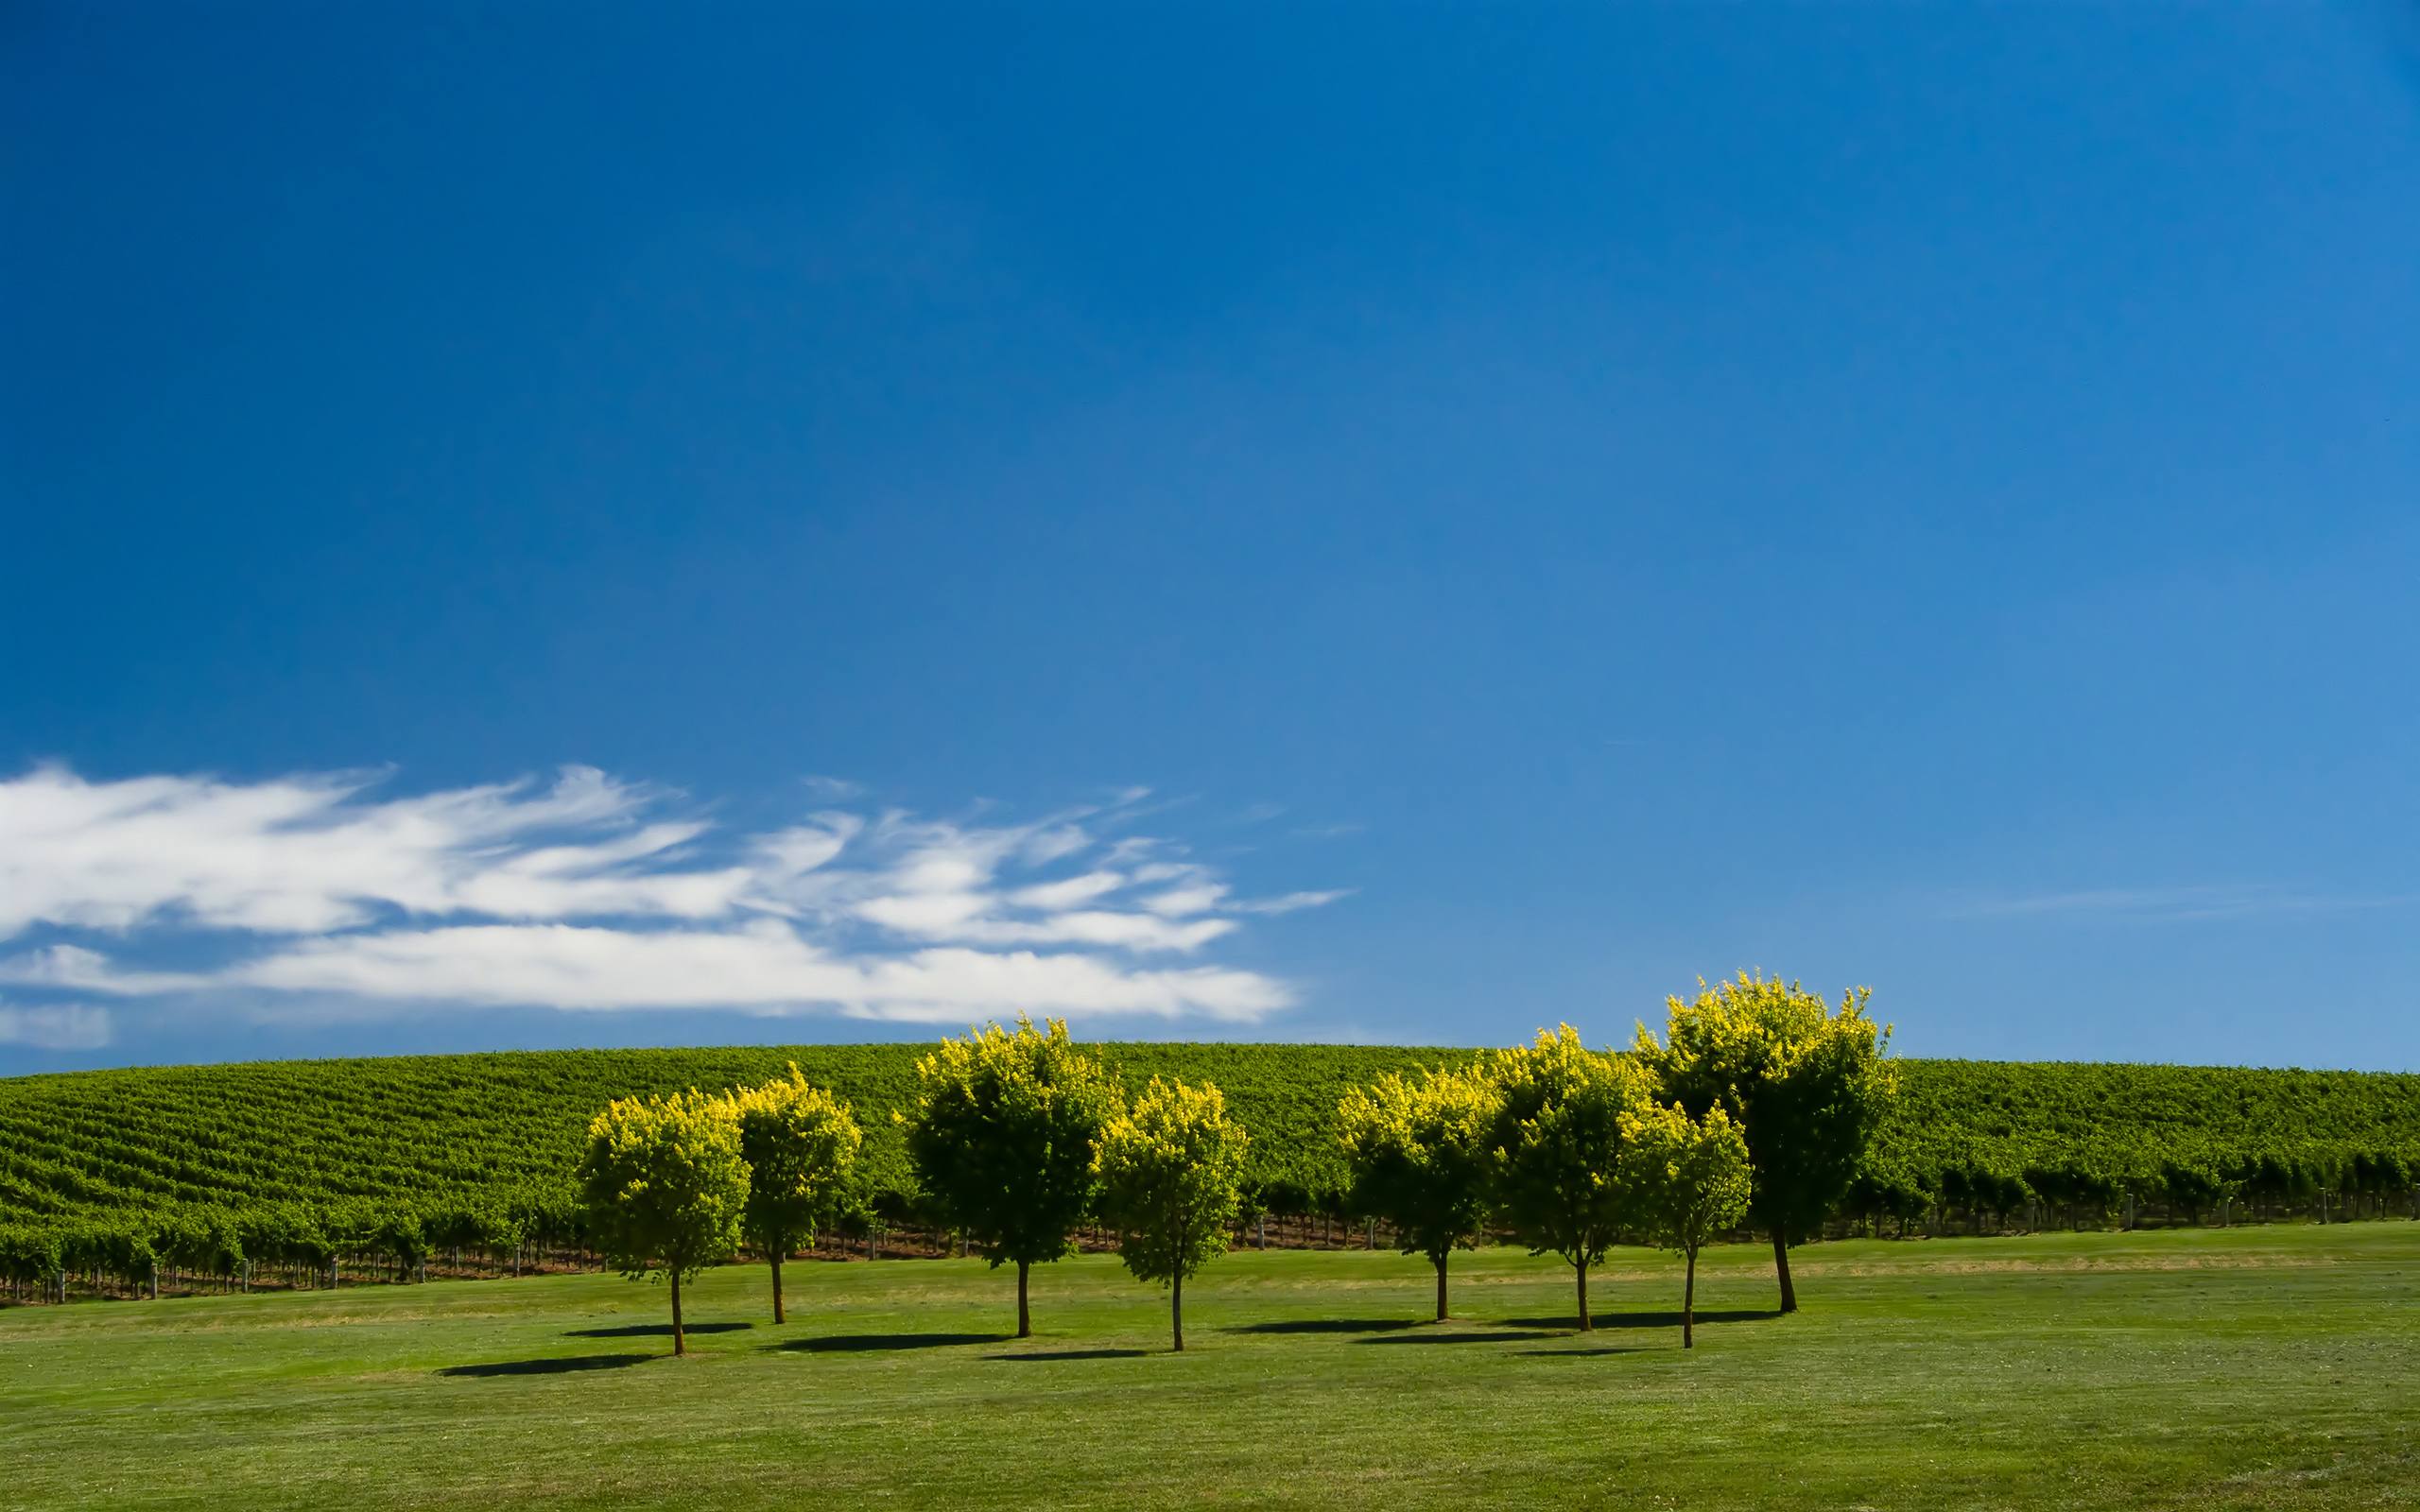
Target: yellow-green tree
[[1686, 1181], [801, 1144], [1558, 1139], [1807, 1088], [1420, 1154], [665, 1186], [1003, 1133], [1171, 1174]]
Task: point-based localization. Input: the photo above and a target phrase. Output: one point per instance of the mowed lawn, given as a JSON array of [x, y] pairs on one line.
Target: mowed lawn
[[2249, 1368]]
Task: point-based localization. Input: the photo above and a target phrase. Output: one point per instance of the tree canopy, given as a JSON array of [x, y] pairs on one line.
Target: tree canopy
[[801, 1144], [1558, 1139], [1687, 1182], [1171, 1171], [1807, 1088], [667, 1186], [1420, 1154], [1003, 1133]]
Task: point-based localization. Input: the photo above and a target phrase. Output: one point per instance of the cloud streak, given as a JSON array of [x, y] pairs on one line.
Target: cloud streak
[[56, 1026], [590, 893]]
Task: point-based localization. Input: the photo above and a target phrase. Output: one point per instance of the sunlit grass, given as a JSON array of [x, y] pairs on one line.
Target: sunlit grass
[[2247, 1367]]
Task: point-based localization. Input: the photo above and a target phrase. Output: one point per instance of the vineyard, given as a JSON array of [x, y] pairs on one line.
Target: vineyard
[[282, 1170]]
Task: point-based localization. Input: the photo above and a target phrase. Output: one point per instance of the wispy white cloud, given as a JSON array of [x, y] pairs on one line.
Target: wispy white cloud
[[592, 893], [73, 968], [300, 855], [2178, 904], [1068, 893], [1290, 902], [1195, 897], [759, 965], [56, 1026]]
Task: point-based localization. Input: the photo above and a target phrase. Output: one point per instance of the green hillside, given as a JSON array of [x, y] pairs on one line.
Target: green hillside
[[426, 1130]]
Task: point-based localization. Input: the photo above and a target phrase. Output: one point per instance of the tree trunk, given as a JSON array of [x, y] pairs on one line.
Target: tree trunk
[[680, 1344], [1781, 1266], [779, 1316], [1689, 1303], [1176, 1310], [1586, 1325], [1025, 1319], [1441, 1286]]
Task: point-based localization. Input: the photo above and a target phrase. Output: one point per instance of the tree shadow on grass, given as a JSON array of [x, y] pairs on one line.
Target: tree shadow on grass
[[662, 1330], [1072, 1354], [555, 1367], [1327, 1325], [1498, 1336], [855, 1343], [1602, 1348], [1647, 1320]]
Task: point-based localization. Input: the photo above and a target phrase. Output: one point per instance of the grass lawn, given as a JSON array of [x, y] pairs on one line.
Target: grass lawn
[[2240, 1368]]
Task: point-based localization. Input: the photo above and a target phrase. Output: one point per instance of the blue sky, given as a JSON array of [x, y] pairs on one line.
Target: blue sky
[[1329, 523]]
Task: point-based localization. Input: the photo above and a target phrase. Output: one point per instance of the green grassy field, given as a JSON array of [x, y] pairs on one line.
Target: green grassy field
[[2213, 1369]]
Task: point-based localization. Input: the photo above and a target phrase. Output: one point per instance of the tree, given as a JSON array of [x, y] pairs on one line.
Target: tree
[[1171, 1173], [1558, 1139], [667, 1185], [1003, 1135], [1686, 1181], [1420, 1156], [1806, 1087], [801, 1145]]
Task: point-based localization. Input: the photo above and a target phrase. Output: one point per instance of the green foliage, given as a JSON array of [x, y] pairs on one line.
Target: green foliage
[[801, 1144], [28, 1256], [1002, 1134], [1807, 1088], [1421, 1152], [203, 1238], [1170, 1171], [1558, 1137], [665, 1183], [401, 1238], [1685, 1180]]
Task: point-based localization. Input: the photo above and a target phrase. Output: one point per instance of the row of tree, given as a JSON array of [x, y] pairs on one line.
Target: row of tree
[[118, 1150], [1757, 1104]]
